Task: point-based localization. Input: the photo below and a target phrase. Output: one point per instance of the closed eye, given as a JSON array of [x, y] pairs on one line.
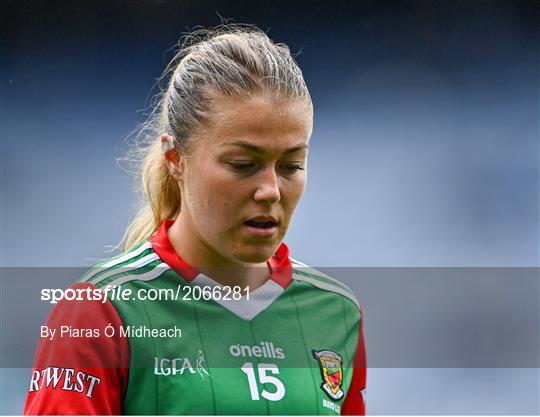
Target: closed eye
[[241, 166], [293, 168], [247, 166]]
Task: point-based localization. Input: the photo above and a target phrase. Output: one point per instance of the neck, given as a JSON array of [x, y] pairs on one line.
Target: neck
[[207, 261]]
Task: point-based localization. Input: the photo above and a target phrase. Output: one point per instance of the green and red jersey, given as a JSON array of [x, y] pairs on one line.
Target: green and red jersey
[[295, 347]]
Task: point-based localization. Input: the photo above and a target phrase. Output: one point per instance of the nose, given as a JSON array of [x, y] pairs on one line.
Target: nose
[[268, 187]]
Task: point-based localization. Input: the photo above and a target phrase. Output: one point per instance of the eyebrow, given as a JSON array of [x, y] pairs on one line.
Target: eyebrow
[[255, 148]]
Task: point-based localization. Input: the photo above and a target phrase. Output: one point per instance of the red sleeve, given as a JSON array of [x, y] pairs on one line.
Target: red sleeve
[[354, 401], [84, 371]]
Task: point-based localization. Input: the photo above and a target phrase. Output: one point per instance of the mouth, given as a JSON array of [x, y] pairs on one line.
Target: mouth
[[262, 226]]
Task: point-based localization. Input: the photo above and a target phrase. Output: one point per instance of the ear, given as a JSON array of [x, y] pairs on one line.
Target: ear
[[174, 160]]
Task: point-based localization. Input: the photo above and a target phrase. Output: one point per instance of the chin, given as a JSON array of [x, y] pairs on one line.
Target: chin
[[255, 254]]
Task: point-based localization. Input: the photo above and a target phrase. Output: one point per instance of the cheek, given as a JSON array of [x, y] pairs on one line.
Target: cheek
[[197, 191], [291, 195], [211, 196], [296, 188]]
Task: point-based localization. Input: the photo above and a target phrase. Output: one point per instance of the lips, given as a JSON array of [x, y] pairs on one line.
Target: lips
[[262, 226], [262, 222]]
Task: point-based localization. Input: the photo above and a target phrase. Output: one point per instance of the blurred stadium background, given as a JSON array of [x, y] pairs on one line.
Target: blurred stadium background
[[425, 153]]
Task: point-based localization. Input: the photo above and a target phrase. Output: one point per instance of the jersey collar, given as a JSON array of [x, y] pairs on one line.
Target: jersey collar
[[280, 265]]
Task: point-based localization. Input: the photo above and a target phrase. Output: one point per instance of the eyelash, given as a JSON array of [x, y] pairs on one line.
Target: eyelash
[[242, 167], [294, 167]]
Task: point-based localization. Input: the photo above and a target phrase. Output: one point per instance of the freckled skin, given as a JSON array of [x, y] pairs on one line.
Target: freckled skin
[[217, 197]]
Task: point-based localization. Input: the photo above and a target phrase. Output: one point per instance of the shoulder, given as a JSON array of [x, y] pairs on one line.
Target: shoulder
[[141, 263], [322, 281]]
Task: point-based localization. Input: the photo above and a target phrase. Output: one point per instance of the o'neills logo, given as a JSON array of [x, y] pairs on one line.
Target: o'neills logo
[[262, 350]]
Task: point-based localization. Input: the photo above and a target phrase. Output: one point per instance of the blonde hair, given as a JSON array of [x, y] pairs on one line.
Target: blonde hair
[[233, 60]]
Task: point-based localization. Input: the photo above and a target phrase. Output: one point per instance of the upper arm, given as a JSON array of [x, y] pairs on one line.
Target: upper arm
[[354, 403], [82, 371]]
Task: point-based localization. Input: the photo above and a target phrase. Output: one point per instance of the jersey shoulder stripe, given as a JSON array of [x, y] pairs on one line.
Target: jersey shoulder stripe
[[139, 264], [305, 273], [143, 274], [131, 267], [118, 261], [309, 271]]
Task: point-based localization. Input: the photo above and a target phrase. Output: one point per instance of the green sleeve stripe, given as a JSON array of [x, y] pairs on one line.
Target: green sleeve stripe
[[313, 273], [130, 267], [154, 272], [326, 286], [105, 273], [118, 260]]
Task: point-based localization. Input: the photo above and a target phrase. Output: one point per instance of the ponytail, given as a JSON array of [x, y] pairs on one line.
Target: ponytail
[[162, 198]]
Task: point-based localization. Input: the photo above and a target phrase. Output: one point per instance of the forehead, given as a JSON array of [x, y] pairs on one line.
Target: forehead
[[268, 123]]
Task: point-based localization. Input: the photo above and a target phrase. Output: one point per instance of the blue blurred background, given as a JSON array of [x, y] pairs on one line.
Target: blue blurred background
[[425, 151]]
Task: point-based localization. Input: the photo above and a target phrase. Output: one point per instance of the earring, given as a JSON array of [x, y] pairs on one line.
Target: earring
[[167, 143]]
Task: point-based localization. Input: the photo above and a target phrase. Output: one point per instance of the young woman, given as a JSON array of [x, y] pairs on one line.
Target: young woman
[[205, 312]]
